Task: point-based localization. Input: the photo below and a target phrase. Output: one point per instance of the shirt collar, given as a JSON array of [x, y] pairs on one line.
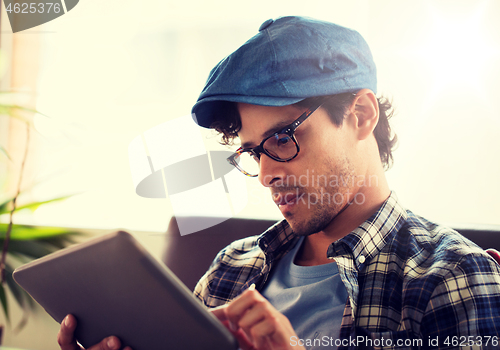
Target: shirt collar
[[364, 242], [277, 240], [369, 238]]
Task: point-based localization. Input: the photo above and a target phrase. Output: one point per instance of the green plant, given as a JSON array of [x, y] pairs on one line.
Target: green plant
[[21, 243]]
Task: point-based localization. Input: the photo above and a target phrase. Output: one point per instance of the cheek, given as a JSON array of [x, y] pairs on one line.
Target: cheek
[[326, 144], [323, 152], [315, 142]]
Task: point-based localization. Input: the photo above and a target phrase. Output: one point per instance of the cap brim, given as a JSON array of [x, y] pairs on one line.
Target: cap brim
[[205, 111]]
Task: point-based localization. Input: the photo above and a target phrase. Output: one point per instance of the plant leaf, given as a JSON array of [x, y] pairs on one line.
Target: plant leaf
[[4, 151], [23, 299], [14, 287], [34, 205], [24, 233], [3, 300], [3, 206], [11, 110], [33, 249], [62, 241]]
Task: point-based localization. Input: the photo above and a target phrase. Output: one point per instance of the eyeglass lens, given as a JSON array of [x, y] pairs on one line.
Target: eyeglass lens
[[279, 146]]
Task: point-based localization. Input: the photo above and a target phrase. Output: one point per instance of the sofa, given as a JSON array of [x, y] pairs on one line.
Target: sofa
[[190, 256]]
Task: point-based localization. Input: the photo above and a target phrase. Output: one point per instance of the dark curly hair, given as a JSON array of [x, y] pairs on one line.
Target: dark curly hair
[[229, 123]]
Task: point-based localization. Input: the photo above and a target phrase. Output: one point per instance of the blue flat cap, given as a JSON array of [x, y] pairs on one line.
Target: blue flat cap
[[289, 60]]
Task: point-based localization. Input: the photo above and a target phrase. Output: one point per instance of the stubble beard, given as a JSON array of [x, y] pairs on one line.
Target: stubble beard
[[321, 214]]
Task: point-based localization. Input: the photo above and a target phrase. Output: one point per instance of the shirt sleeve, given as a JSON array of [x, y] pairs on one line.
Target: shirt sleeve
[[201, 290], [464, 308]]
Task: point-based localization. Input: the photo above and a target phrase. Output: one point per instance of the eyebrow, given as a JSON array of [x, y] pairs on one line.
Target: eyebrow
[[272, 130]]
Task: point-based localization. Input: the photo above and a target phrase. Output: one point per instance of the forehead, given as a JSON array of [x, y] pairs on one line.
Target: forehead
[[258, 122]]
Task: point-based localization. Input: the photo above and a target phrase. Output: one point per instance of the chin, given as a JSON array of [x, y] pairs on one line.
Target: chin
[[309, 226], [304, 228]]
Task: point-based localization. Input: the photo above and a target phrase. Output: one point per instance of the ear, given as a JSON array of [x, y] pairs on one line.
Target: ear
[[365, 111]]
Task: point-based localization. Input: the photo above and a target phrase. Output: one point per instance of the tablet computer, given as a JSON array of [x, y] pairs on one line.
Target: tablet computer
[[113, 286]]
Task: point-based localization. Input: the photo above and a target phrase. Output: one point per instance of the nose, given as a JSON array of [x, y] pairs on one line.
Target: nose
[[270, 171]]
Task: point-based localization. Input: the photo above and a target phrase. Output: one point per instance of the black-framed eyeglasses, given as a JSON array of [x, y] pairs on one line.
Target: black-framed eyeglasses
[[282, 146]]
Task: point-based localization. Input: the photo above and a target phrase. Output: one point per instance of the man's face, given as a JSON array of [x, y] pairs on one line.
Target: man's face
[[311, 189]]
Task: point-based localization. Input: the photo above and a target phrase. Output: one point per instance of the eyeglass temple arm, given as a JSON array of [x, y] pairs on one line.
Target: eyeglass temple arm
[[302, 118]]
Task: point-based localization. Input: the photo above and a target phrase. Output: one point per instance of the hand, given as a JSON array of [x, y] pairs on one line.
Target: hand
[[67, 341], [255, 323]]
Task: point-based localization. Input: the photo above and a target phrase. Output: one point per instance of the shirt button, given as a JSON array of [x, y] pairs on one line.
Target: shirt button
[[266, 24], [361, 259]]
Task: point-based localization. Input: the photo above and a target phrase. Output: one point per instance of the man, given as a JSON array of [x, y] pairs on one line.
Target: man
[[349, 267]]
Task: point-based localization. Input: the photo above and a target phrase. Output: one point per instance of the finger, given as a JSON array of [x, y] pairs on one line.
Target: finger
[[273, 332], [243, 340], [109, 343], [220, 312], [239, 306], [264, 335], [259, 311], [65, 337]]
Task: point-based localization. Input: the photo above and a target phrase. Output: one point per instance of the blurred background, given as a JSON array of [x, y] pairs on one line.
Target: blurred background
[[107, 71]]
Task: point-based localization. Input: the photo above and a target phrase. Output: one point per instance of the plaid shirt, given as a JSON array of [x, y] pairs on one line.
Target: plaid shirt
[[411, 283]]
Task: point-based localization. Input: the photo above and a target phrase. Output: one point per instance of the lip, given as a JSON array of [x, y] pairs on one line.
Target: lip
[[285, 201]]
